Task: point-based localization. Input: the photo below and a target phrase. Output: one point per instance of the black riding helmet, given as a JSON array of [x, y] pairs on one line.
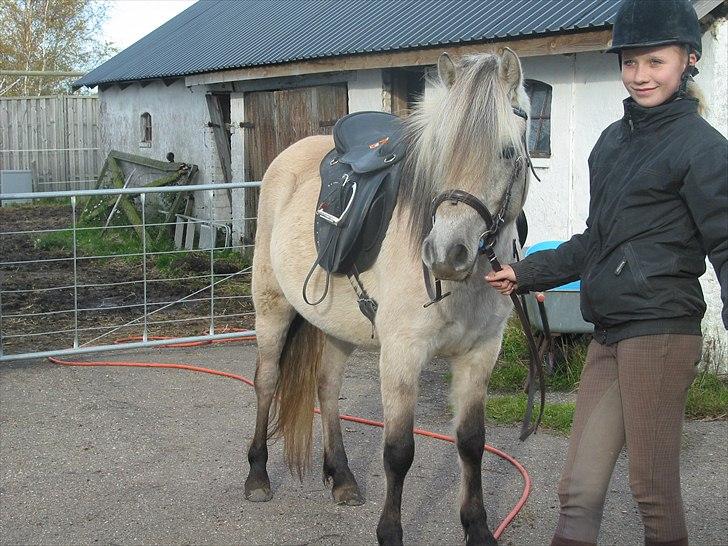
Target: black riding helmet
[[647, 23]]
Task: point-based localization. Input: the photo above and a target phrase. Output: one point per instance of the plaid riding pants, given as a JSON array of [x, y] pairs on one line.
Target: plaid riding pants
[[631, 393]]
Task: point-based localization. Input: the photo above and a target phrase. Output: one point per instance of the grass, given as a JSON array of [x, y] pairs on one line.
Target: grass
[[707, 396], [512, 367], [507, 410], [118, 242], [38, 202]]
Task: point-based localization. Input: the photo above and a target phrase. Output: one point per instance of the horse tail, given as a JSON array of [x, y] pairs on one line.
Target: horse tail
[[295, 394]]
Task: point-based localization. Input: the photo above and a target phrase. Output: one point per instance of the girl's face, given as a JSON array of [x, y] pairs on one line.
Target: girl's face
[[652, 75]]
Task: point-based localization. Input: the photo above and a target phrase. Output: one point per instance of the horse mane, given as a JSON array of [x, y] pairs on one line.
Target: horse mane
[[454, 135]]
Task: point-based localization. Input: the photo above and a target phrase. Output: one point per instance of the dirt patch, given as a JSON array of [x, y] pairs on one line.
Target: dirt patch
[[43, 296]]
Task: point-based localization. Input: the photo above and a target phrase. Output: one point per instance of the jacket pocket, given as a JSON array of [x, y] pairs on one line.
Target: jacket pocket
[[630, 260], [616, 289]]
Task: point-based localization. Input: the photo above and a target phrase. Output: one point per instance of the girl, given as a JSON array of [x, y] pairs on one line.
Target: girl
[[658, 206]]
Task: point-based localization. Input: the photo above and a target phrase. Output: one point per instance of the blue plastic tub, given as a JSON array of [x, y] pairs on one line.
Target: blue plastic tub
[[562, 303]]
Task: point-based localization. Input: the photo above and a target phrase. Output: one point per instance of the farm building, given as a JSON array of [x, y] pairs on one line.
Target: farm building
[[227, 85]]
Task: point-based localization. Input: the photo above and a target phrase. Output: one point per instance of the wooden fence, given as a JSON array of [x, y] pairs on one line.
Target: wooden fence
[[57, 138]]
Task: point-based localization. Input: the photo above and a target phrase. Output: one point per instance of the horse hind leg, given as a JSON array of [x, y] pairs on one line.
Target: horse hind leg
[[336, 469], [470, 379], [273, 323]]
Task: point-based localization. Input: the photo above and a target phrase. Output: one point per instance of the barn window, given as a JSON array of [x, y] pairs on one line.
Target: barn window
[[146, 127], [539, 141]]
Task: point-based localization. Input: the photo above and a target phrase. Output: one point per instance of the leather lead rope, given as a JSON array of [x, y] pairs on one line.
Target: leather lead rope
[[535, 369]]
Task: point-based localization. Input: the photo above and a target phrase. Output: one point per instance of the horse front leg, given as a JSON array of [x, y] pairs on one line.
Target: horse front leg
[[336, 469], [399, 374], [470, 379]]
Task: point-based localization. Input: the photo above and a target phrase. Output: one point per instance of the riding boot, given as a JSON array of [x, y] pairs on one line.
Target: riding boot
[[562, 541]]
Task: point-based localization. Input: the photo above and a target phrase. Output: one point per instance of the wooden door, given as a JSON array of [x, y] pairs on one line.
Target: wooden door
[[276, 119]]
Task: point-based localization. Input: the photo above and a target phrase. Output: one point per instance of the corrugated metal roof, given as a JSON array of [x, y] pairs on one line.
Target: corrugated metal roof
[[214, 35]]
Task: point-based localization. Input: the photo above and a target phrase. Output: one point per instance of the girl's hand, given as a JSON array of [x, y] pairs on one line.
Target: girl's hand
[[504, 280]]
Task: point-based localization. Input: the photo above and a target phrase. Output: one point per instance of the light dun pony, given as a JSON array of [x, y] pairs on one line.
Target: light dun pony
[[463, 135]]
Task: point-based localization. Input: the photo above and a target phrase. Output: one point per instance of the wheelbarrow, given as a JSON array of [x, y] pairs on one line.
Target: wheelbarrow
[[554, 312]]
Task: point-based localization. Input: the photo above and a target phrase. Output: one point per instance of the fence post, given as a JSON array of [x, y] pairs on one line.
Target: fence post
[[75, 274]]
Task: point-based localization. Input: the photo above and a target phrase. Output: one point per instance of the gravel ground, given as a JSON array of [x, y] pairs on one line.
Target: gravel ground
[[139, 456]]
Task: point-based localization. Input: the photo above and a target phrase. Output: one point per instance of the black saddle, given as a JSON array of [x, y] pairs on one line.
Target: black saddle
[[359, 185]]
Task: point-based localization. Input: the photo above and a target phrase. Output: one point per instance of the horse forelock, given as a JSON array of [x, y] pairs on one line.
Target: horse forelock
[[454, 135]]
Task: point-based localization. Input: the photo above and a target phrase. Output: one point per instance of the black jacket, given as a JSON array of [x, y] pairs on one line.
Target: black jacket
[[659, 205]]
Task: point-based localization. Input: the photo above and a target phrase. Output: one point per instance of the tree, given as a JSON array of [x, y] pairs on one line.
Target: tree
[[49, 35]]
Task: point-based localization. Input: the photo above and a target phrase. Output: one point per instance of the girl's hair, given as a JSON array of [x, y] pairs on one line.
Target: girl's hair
[[693, 89]]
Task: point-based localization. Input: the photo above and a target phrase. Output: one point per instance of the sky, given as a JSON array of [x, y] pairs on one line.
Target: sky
[[131, 20]]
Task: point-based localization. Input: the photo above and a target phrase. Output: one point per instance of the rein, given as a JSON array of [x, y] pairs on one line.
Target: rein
[[485, 246]]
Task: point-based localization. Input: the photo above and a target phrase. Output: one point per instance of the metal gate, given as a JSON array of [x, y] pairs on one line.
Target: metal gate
[[67, 287]]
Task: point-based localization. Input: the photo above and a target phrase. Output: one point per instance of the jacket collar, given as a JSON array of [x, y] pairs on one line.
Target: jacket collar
[[639, 117]]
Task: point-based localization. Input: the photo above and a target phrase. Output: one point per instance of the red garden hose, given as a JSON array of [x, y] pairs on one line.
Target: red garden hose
[[499, 530]]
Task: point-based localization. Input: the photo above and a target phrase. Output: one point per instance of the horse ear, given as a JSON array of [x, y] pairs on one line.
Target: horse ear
[[446, 70], [510, 69]]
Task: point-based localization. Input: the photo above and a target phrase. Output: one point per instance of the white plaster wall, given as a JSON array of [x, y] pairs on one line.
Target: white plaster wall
[[366, 91], [179, 125], [586, 97], [713, 80]]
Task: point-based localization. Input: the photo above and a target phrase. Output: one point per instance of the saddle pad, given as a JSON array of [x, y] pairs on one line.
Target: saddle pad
[[355, 242], [369, 141]]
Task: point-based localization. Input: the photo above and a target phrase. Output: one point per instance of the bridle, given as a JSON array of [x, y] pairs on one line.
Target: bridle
[[493, 224], [486, 245]]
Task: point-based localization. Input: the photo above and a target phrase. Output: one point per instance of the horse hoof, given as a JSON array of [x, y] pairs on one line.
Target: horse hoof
[[347, 496], [263, 494], [354, 500]]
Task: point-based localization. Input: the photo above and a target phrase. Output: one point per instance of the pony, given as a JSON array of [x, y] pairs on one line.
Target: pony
[[467, 133]]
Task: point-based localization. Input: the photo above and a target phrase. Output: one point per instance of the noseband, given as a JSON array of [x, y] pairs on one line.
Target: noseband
[[485, 246]]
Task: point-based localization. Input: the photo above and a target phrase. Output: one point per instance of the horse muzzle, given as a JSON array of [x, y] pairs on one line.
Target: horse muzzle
[[454, 263]]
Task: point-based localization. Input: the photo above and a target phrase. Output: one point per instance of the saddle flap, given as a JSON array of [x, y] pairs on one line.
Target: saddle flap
[[363, 203], [369, 141]]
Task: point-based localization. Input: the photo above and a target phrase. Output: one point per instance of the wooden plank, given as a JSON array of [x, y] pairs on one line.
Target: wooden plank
[[190, 235], [579, 42], [332, 104], [179, 231], [289, 82], [206, 239], [125, 203], [260, 145], [222, 142], [164, 166]]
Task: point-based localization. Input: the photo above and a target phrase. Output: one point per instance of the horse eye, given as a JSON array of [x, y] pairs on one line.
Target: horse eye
[[508, 152]]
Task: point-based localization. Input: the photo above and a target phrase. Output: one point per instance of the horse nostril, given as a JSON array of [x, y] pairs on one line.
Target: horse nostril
[[457, 256]]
